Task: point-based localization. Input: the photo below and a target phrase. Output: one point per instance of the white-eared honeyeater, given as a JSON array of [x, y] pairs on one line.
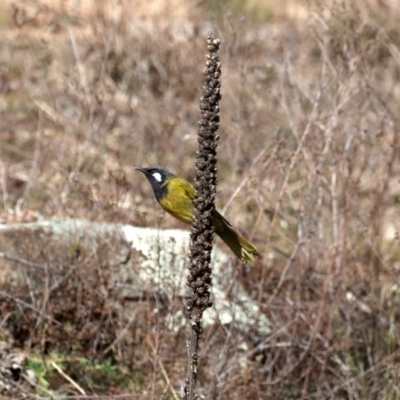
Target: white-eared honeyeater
[[176, 196]]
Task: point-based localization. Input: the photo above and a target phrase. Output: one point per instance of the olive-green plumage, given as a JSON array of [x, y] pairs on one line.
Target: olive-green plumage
[[176, 196]]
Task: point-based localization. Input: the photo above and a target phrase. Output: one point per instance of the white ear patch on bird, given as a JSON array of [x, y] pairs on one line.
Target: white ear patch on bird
[[157, 176]]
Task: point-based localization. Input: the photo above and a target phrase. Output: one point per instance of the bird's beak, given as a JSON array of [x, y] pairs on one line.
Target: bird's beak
[[140, 169]]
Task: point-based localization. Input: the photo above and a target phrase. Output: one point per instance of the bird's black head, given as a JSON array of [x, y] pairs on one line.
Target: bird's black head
[[157, 176]]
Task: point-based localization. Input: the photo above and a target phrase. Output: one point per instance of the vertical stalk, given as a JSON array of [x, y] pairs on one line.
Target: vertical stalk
[[199, 277]]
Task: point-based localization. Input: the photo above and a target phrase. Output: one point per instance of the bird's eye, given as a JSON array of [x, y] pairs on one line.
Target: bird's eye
[[157, 176]]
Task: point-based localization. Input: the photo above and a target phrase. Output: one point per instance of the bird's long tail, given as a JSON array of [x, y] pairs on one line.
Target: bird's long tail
[[243, 249]]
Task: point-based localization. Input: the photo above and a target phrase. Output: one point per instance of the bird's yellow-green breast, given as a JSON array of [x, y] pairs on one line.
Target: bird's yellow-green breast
[[177, 198]]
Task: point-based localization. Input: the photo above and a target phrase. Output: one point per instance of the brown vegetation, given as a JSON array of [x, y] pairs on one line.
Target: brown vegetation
[[309, 169]]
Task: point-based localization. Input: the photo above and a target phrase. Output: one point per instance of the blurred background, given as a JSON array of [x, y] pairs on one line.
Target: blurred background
[[309, 165]]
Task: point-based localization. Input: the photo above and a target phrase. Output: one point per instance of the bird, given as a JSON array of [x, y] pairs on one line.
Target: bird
[[176, 195]]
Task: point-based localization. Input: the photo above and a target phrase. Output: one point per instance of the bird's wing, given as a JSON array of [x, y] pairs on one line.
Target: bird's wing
[[188, 188]]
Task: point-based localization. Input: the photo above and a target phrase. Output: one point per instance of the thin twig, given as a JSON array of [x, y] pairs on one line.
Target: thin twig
[[25, 304], [21, 261], [68, 378], [164, 372]]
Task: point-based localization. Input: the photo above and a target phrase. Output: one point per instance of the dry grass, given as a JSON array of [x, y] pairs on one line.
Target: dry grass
[[308, 167]]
